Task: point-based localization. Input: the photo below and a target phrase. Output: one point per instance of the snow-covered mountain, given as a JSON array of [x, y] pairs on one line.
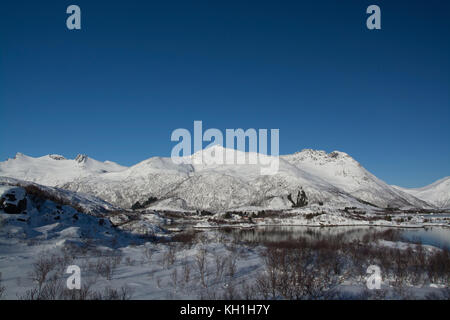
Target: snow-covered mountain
[[344, 172], [333, 179], [53, 170], [437, 193]]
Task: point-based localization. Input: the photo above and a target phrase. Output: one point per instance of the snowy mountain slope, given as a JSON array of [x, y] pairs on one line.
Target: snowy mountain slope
[[53, 170], [40, 223], [33, 208], [209, 186], [335, 179], [344, 172], [203, 186], [84, 202], [437, 193], [154, 177]]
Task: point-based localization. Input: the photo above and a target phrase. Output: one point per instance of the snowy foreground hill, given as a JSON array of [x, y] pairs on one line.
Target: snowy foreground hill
[[334, 179]]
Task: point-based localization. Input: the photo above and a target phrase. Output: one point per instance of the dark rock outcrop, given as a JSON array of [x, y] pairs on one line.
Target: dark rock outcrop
[[10, 203]]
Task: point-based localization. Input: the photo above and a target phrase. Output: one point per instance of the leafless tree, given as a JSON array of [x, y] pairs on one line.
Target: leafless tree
[[220, 265], [231, 265], [174, 278], [105, 266], [200, 260], [169, 256], [186, 271], [148, 254]]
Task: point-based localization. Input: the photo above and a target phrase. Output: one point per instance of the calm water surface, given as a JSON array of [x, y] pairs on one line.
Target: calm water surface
[[434, 236]]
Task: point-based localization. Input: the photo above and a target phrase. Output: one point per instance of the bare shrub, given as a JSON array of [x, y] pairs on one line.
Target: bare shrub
[[55, 289], [41, 268], [247, 291], [208, 294], [186, 269], [439, 267], [158, 282], [174, 278], [169, 256], [265, 287], [129, 262], [401, 291], [105, 266], [47, 289], [230, 292], [300, 270], [84, 293], [148, 254], [231, 265], [220, 265], [124, 293], [418, 260], [2, 288]]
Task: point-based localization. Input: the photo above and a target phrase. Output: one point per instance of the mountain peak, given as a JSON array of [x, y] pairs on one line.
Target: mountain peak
[[338, 154], [56, 157], [81, 158], [213, 148], [19, 155], [319, 155]]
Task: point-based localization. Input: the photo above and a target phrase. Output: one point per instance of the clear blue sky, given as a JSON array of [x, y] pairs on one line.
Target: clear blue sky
[[137, 70]]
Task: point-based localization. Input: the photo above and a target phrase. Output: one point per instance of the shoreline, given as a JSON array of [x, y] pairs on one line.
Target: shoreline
[[237, 226]]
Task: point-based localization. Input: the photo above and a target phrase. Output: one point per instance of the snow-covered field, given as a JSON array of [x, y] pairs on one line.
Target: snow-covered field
[[210, 265]]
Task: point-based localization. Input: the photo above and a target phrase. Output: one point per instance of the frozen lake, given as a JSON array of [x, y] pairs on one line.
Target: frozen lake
[[434, 236]]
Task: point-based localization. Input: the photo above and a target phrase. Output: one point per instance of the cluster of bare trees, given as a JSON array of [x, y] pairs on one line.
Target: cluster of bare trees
[[298, 273], [2, 288], [209, 272], [106, 266], [309, 267], [313, 269], [49, 278], [55, 289]]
